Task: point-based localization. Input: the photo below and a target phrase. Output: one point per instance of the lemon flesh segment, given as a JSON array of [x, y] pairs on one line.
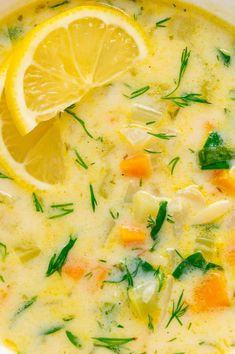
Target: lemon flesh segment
[[60, 60], [36, 159]]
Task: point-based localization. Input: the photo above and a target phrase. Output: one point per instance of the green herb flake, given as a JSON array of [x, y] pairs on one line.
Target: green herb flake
[[4, 176], [80, 160], [156, 225], [73, 339], [193, 262], [178, 310], [15, 32], [79, 120], [113, 344], [65, 2], [150, 323], [64, 209], [162, 23], [3, 251], [173, 164], [37, 203], [225, 56], [152, 152], [162, 136], [57, 262], [52, 330], [114, 214], [25, 306], [94, 202], [214, 155], [138, 92]]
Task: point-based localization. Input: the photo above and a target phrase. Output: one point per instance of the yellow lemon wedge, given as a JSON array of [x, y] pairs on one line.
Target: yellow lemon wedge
[[35, 160], [60, 60]]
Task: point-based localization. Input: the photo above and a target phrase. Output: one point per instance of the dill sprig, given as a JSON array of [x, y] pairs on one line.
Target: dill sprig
[[187, 99], [79, 120], [138, 92], [114, 214], [178, 310], [73, 339], [52, 330], [161, 23], [152, 152], [150, 323], [183, 66], [173, 164], [37, 203], [93, 198], [25, 305], [57, 262], [112, 344], [80, 160], [163, 136], [64, 209]]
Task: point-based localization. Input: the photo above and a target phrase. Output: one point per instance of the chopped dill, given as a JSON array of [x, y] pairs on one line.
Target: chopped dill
[[162, 23], [37, 203], [93, 198], [173, 164]]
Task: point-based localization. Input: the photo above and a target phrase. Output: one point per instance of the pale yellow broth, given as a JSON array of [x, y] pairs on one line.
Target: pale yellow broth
[[88, 307]]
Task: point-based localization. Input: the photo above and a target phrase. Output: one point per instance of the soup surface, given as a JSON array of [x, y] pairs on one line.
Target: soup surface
[[134, 252]]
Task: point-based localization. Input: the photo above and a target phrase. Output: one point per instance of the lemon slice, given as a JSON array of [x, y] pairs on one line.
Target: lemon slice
[[60, 60], [35, 160]]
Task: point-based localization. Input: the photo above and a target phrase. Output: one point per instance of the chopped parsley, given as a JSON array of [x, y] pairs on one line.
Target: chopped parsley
[[214, 155], [162, 23], [178, 310], [94, 202], [138, 92], [57, 262], [193, 262], [37, 203], [15, 32]]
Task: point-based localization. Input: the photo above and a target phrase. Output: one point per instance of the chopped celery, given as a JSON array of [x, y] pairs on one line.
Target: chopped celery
[[27, 252]]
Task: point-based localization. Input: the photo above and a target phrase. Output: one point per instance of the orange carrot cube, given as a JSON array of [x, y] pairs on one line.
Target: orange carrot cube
[[225, 182], [136, 166], [131, 234]]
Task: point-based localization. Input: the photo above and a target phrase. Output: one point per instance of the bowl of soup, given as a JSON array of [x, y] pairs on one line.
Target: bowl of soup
[[117, 177]]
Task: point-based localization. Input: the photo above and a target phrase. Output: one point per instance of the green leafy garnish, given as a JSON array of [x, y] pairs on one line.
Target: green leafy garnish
[[214, 155], [25, 306], [163, 136], [150, 323], [225, 56], [195, 261], [161, 277], [64, 209], [187, 99], [52, 330], [57, 262], [161, 23], [3, 251], [156, 225], [79, 120], [183, 66], [73, 339], [173, 163], [59, 4], [94, 202], [80, 160], [37, 204], [14, 32], [178, 310], [114, 214], [3, 176], [138, 92], [111, 343], [152, 152]]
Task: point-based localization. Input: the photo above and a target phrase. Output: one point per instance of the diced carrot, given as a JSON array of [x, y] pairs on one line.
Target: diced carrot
[[136, 166], [211, 293], [225, 182], [132, 234], [75, 268], [100, 274]]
